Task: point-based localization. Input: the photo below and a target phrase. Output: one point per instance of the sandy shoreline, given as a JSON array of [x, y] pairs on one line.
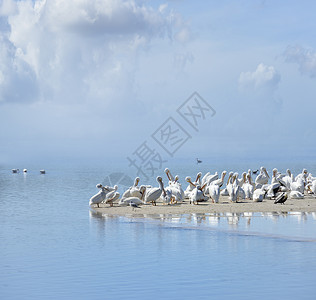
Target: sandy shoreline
[[308, 204]]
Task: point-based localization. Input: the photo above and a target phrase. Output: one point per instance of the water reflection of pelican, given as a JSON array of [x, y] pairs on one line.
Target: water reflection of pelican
[[214, 218], [248, 216], [301, 216], [232, 218]]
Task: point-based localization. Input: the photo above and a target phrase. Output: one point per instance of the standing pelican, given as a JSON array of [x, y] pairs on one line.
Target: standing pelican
[[100, 196], [248, 187], [262, 178], [153, 194]]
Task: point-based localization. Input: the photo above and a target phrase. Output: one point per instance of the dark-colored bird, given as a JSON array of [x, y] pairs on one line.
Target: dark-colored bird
[[255, 172], [198, 161], [281, 198], [133, 205]]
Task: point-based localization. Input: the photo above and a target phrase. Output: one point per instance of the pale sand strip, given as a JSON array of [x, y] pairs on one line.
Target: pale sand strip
[[308, 204]]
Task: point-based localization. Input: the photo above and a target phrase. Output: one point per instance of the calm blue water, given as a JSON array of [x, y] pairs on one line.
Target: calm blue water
[[53, 247]]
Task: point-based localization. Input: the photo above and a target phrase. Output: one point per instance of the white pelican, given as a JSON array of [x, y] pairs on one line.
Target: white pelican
[[24, 170], [213, 191], [225, 192], [153, 194], [296, 195], [262, 178], [169, 175], [302, 175], [288, 179], [197, 194], [220, 181], [258, 195], [233, 189], [192, 185], [210, 178], [298, 185], [100, 196], [133, 191], [248, 187], [112, 196]]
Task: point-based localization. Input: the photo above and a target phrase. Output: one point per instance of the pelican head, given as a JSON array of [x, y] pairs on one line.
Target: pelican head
[[198, 176], [99, 185], [244, 176], [176, 178], [188, 179]]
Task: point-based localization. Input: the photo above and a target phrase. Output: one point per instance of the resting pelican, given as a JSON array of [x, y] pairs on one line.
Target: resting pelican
[[112, 196], [197, 194], [100, 196], [258, 195], [25, 170], [154, 193], [262, 178], [296, 195], [192, 185], [298, 185], [133, 191]]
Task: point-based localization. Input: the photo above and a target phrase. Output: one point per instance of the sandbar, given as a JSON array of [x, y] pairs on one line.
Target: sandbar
[[307, 204]]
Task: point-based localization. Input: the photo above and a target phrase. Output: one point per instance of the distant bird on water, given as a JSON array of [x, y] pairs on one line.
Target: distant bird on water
[[198, 161], [281, 198], [15, 170], [42, 171]]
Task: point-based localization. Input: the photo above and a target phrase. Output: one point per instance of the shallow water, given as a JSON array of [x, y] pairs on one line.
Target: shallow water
[[53, 247]]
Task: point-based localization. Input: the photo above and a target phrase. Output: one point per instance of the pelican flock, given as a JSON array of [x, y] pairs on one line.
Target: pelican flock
[[278, 187]]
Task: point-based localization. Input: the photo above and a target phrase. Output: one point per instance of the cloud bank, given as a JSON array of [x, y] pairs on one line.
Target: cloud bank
[[264, 79], [304, 58], [75, 50]]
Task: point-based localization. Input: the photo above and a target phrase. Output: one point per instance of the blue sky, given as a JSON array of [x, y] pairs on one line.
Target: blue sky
[[93, 79]]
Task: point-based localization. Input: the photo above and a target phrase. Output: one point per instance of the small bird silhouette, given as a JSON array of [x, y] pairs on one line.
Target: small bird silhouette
[[133, 205]]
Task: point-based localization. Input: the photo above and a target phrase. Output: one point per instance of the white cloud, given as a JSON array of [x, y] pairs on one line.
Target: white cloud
[[77, 49], [263, 79], [305, 58]]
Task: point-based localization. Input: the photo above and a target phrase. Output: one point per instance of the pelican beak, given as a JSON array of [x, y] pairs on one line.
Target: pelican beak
[[189, 181], [203, 187], [229, 177], [167, 173], [265, 171]]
